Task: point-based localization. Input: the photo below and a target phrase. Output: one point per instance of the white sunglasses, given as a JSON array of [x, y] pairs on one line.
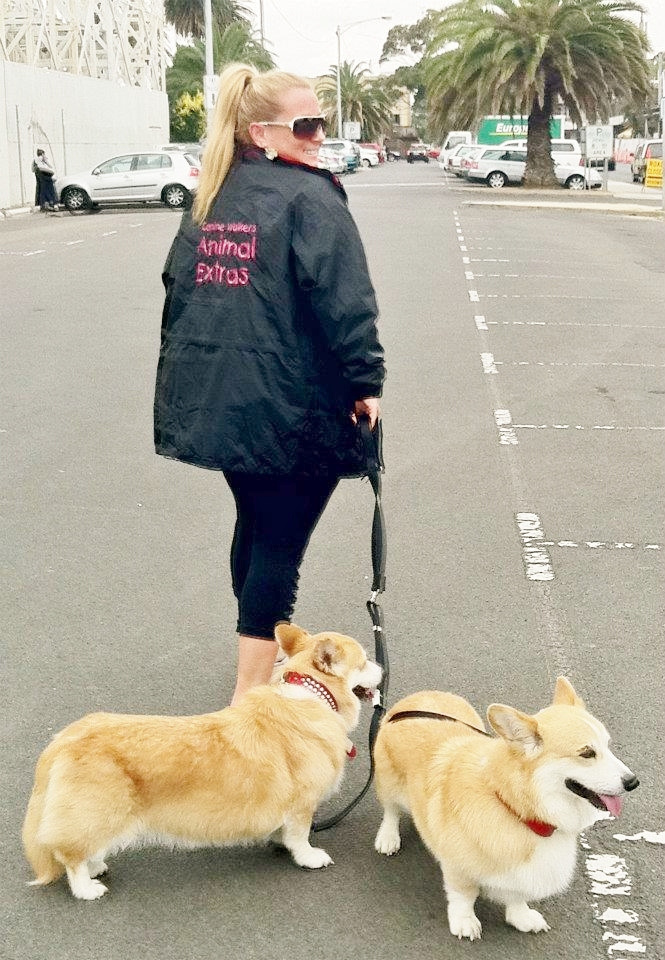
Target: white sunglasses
[[302, 128]]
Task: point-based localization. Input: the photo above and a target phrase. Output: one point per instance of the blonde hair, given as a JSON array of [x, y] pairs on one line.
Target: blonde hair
[[244, 96]]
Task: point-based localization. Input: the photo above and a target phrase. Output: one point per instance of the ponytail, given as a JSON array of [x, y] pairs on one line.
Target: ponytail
[[220, 146]]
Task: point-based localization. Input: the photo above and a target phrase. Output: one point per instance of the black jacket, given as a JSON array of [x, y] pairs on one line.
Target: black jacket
[[268, 329]]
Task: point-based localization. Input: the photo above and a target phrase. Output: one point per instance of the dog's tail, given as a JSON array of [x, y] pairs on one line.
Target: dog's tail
[[39, 855]]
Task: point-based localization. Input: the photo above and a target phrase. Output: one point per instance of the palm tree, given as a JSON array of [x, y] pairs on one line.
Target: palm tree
[[187, 16], [535, 57], [367, 100], [235, 43]]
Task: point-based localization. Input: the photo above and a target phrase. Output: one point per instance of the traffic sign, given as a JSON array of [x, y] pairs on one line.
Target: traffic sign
[[598, 141]]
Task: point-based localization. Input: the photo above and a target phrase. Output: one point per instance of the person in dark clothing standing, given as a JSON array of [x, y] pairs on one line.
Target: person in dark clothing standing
[[269, 347], [44, 172]]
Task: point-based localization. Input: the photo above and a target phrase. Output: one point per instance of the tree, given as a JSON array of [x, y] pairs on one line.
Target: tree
[[188, 119], [235, 43], [366, 100], [533, 58], [187, 16]]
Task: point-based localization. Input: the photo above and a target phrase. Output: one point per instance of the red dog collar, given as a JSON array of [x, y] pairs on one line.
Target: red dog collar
[[313, 685], [538, 826]]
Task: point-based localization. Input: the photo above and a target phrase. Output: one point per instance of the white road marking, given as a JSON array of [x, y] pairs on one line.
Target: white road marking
[[570, 323], [504, 422], [608, 875], [480, 322], [625, 942], [488, 363], [537, 562], [605, 545], [579, 426], [647, 835], [566, 363], [473, 296], [618, 916], [564, 296]]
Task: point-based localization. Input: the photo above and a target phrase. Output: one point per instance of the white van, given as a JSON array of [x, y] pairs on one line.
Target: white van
[[563, 151], [452, 140]]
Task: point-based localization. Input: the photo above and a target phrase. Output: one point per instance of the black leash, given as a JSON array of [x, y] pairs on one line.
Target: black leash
[[372, 441], [430, 715]]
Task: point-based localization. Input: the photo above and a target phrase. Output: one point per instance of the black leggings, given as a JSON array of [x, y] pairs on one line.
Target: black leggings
[[275, 519]]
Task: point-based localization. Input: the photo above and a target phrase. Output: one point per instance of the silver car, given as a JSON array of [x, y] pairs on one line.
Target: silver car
[[170, 177], [497, 166]]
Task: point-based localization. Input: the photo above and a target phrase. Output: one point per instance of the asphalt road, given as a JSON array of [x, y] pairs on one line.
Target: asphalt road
[[525, 408]]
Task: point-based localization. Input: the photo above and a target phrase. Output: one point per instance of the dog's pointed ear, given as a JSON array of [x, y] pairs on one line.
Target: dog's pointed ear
[[327, 656], [514, 726], [291, 638], [564, 694]]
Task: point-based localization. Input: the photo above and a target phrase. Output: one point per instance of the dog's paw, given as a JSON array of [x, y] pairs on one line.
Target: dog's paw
[[92, 891], [97, 868], [313, 858], [465, 927], [387, 839], [523, 918]]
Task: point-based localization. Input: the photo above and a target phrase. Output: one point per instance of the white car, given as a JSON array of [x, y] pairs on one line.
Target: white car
[[331, 160], [573, 176], [498, 166], [368, 157], [455, 158], [562, 150], [170, 177]]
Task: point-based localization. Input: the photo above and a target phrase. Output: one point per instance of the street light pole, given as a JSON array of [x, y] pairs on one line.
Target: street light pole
[[209, 78], [339, 31], [339, 82]]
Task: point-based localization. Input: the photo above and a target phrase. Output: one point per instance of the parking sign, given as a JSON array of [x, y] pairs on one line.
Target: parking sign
[[599, 142]]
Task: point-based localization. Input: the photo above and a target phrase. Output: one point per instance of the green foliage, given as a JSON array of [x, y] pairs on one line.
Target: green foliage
[[188, 119], [411, 40], [234, 43], [187, 16], [533, 57], [364, 99]]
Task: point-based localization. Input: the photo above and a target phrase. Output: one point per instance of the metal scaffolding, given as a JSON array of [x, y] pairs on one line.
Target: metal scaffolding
[[117, 40]]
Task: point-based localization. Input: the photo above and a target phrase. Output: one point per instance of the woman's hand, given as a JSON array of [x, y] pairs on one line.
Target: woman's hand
[[369, 407]]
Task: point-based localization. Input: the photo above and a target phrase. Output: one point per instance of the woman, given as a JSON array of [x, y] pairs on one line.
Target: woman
[[47, 198], [269, 345]]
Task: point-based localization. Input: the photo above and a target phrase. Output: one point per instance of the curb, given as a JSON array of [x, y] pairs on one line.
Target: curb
[[628, 209], [14, 212]]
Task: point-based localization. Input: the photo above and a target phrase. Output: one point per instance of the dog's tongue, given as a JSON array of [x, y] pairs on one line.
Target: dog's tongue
[[613, 804]]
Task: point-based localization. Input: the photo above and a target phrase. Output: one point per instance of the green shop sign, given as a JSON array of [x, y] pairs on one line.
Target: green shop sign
[[498, 129]]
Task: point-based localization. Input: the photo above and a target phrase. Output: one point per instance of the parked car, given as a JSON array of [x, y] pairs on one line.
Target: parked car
[[645, 151], [331, 160], [457, 156], [368, 156], [562, 150], [433, 153], [417, 151], [193, 149], [170, 177], [574, 176], [497, 167], [347, 149], [375, 146]]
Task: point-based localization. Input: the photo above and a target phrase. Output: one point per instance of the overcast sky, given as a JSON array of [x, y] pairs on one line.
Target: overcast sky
[[302, 37]]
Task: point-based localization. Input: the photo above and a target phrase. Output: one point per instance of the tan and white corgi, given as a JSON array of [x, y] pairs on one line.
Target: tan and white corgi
[[109, 781], [500, 814]]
